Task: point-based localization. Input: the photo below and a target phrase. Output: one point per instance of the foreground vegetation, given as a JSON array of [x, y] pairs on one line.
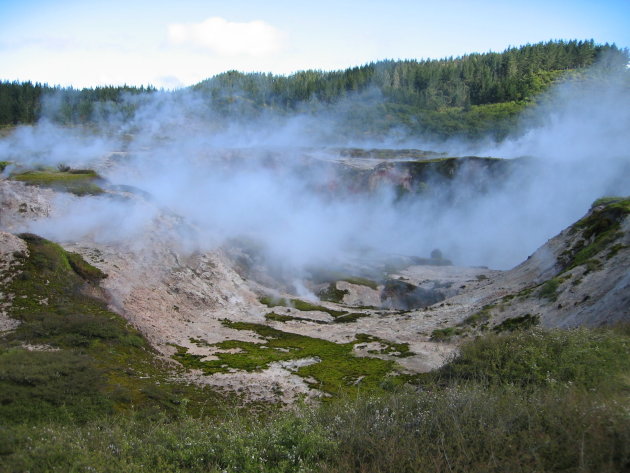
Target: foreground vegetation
[[526, 401], [81, 390]]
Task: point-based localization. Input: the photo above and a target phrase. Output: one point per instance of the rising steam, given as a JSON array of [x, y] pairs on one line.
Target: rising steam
[[276, 181]]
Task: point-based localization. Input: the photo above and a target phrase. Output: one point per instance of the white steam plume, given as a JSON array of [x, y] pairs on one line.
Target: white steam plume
[[256, 180]]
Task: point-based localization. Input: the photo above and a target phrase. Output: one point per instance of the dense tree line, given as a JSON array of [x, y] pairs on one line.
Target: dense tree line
[[475, 79], [24, 102], [471, 95]]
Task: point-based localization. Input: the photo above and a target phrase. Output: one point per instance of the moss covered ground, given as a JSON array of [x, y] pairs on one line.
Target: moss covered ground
[[544, 401], [87, 361], [76, 181], [599, 230], [300, 305], [338, 370]]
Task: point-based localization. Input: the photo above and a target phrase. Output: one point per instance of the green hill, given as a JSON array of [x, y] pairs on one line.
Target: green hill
[[472, 95]]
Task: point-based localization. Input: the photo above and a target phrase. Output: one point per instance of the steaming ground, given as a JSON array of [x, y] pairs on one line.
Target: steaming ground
[[200, 221], [179, 295]]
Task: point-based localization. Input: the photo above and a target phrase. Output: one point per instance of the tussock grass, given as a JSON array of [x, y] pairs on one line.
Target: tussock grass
[[476, 415], [586, 358]]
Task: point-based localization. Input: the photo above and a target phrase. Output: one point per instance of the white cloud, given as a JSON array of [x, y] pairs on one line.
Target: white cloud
[[255, 38]]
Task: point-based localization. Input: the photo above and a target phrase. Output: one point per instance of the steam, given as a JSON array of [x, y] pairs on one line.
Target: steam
[[276, 182]]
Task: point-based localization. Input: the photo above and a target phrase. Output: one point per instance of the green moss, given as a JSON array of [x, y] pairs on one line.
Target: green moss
[[83, 269], [79, 181], [609, 200], [600, 229], [4, 164], [361, 282], [615, 249], [349, 318], [581, 358], [517, 323], [479, 318], [332, 293], [299, 305], [400, 350], [272, 316], [445, 334], [549, 290], [99, 363], [336, 372]]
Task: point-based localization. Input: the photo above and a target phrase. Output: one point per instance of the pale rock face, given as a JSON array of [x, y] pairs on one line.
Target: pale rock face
[[10, 247], [20, 203]]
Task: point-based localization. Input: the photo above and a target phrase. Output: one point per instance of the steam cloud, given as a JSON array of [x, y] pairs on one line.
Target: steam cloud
[[256, 181]]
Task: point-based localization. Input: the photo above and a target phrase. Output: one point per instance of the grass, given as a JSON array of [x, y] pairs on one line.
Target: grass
[[517, 323], [300, 305], [389, 348], [549, 290], [584, 358], [445, 334], [361, 282], [524, 401], [76, 181], [273, 317], [349, 318], [332, 293], [600, 229], [338, 370], [342, 319], [97, 364], [478, 320]]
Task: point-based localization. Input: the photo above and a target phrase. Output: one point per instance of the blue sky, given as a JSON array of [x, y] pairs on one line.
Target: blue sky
[[176, 43]]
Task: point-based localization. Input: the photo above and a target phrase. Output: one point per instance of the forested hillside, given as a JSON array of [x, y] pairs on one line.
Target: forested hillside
[[470, 95]]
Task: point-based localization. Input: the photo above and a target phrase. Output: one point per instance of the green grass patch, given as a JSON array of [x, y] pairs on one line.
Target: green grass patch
[[585, 358], [549, 290], [517, 323], [361, 282], [78, 181], [460, 430], [338, 371], [445, 334], [272, 316], [300, 305], [400, 350], [479, 318], [600, 229], [332, 293], [99, 363], [349, 318]]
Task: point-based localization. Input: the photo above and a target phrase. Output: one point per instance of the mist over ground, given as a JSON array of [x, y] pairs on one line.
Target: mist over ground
[[276, 179]]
